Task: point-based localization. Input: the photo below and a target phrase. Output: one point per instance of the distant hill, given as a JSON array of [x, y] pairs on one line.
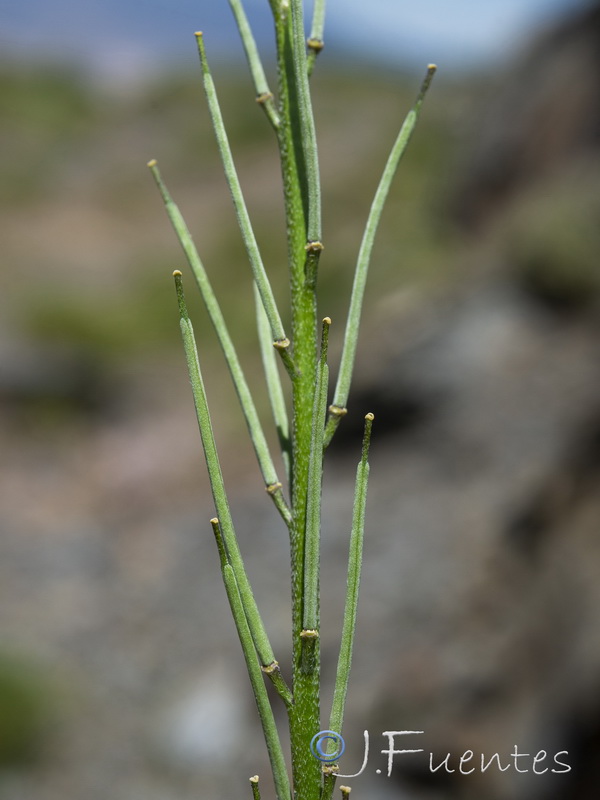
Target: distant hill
[[128, 38], [121, 37]]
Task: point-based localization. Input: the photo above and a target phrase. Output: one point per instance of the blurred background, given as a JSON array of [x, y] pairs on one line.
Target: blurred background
[[120, 673]]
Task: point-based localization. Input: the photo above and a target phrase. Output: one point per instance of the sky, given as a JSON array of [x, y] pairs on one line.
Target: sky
[[125, 38]]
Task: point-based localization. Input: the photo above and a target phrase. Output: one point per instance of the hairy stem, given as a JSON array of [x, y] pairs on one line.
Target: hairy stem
[[274, 387], [258, 269], [350, 609], [234, 557], [263, 94], [257, 436], [315, 480], [304, 716], [342, 388], [265, 712], [315, 41]]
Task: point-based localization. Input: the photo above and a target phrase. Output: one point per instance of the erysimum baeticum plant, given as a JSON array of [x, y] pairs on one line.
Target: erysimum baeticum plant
[[300, 383]]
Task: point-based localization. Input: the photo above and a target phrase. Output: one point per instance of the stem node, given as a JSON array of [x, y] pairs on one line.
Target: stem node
[[282, 346], [264, 97], [255, 789], [316, 45]]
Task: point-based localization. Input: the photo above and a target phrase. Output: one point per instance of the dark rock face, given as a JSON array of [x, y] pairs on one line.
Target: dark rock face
[[546, 112], [491, 513], [494, 563]]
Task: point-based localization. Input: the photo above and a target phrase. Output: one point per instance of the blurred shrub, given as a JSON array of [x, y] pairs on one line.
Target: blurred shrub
[[554, 238], [24, 711], [44, 113]]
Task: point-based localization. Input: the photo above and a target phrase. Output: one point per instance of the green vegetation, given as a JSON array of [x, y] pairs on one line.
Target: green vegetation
[[24, 711], [76, 208], [554, 239], [44, 113], [298, 387]]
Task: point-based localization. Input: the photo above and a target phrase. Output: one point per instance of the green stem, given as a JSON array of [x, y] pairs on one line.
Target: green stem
[[329, 778], [354, 570], [315, 481], [265, 712], [274, 387], [275, 7], [304, 716], [259, 634], [255, 789], [263, 94], [315, 41], [272, 670], [336, 719], [258, 269], [307, 124], [342, 388], [259, 442]]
